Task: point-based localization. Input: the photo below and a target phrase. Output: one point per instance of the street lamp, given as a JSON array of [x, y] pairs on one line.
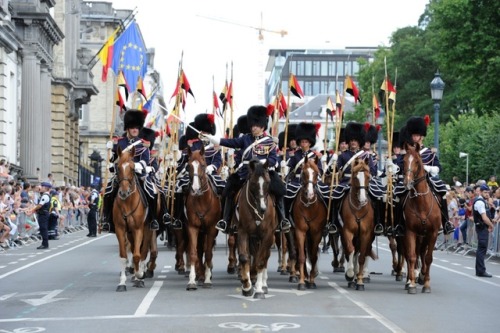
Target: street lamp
[[437, 88], [467, 167]]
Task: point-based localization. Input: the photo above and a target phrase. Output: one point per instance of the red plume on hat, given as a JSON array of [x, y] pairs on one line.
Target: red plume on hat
[[318, 126], [211, 118], [270, 110], [427, 120], [367, 126], [378, 127]]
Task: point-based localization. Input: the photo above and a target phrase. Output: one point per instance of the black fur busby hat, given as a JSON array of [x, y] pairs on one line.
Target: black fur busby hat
[[290, 136], [205, 122], [242, 124], [342, 135], [191, 134], [355, 131], [133, 118], [149, 135], [306, 131], [183, 143], [236, 131], [371, 133], [417, 125], [404, 137], [395, 140], [257, 116]]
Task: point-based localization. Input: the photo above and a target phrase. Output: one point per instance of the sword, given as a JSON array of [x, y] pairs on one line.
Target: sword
[[187, 124]]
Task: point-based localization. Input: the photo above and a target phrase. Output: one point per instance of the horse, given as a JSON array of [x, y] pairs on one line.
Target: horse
[[257, 222], [203, 210], [357, 219], [309, 215], [423, 219], [130, 212]]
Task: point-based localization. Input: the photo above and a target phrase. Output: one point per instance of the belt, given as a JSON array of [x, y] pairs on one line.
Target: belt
[[348, 175]]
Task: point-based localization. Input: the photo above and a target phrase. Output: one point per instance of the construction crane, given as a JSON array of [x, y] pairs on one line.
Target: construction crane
[[260, 29]]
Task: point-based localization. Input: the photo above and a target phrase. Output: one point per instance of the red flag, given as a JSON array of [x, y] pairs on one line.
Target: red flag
[[216, 104], [119, 100], [282, 106], [391, 92], [351, 89], [229, 95], [376, 107], [294, 86], [185, 84], [140, 88], [330, 108], [106, 55]]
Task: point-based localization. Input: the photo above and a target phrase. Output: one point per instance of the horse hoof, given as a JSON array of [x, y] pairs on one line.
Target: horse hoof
[[186, 273], [393, 273], [360, 287], [301, 286], [426, 290], [259, 296], [181, 271], [293, 279], [265, 290], [139, 283], [412, 290], [407, 286], [131, 270], [283, 272], [247, 293], [279, 270], [149, 274], [207, 285], [420, 281], [191, 286], [231, 270], [366, 280], [311, 285], [351, 284], [121, 288], [349, 278], [339, 270]]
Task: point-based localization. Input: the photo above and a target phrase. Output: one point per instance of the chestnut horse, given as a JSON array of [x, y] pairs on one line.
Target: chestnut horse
[[130, 212], [357, 219], [203, 210], [257, 223], [309, 214], [423, 219]]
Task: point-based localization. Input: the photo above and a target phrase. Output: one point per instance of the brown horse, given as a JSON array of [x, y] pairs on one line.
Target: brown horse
[[357, 219], [309, 214], [203, 210], [256, 225], [130, 211], [423, 219]]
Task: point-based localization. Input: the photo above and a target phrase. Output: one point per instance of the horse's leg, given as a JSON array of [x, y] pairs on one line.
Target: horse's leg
[[209, 248], [261, 258], [179, 251], [428, 262], [347, 238], [300, 238], [193, 256], [137, 257], [292, 256], [244, 260], [153, 255], [120, 235], [313, 249], [411, 258], [231, 243], [393, 247]]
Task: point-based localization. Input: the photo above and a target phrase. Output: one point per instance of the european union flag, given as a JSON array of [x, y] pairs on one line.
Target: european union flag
[[130, 56]]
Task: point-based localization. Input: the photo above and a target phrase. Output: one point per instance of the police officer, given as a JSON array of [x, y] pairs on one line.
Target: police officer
[[133, 122], [92, 215], [415, 132], [254, 145], [484, 225], [42, 210], [54, 209]]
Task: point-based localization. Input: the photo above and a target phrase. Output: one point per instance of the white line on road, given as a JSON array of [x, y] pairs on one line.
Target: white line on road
[[148, 299]]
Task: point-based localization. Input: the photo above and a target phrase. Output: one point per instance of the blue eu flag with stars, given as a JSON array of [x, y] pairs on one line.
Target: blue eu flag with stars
[[129, 56]]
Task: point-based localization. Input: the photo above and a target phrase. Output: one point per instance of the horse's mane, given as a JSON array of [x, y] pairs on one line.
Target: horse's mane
[[257, 168]]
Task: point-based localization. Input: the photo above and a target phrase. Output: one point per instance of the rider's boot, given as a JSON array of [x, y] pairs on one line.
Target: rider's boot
[[107, 209], [379, 228], [332, 222], [280, 209], [178, 208], [399, 229], [448, 227], [153, 225], [167, 219], [223, 225]]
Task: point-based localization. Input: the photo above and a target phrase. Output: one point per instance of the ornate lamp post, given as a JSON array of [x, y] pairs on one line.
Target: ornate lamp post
[[437, 88]]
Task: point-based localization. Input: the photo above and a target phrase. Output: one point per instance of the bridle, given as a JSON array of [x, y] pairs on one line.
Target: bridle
[[255, 199], [204, 187], [303, 191]]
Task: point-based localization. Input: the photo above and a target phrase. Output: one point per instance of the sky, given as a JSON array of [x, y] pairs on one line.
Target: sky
[[210, 35]]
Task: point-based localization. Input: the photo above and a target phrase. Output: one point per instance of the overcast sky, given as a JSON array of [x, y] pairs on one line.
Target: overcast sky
[[209, 44]]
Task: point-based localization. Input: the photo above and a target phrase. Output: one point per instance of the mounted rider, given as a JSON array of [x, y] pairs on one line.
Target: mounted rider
[[254, 145], [305, 134], [133, 122], [414, 132]]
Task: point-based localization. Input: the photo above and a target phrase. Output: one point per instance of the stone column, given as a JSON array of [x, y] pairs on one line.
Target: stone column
[[45, 105]]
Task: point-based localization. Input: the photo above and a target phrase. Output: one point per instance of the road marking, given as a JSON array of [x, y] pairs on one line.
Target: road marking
[[291, 291], [148, 299], [249, 298]]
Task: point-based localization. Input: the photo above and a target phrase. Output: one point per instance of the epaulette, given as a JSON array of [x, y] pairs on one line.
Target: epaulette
[[116, 139], [146, 143]]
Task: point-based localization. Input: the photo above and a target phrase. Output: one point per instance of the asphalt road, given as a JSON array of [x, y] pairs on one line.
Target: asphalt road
[[71, 288]]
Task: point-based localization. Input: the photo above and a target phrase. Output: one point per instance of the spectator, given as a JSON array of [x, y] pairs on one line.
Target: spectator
[[496, 218], [452, 204], [469, 199], [484, 225], [50, 179], [4, 225], [4, 171], [492, 182]]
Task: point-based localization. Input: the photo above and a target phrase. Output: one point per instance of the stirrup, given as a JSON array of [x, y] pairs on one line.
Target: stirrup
[[448, 228], [285, 225], [379, 229], [389, 231], [167, 219], [177, 224], [221, 226], [332, 228], [399, 231], [154, 225]]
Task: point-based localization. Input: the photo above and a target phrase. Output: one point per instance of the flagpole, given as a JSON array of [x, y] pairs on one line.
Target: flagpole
[[326, 134], [229, 98], [287, 116]]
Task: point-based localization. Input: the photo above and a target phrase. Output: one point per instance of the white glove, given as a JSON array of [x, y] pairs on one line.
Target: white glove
[[433, 170], [323, 158], [109, 144], [138, 167], [210, 169], [175, 147], [283, 164], [230, 152], [161, 171], [149, 169], [212, 138], [169, 157], [230, 163], [286, 170], [224, 172], [333, 159], [263, 161]]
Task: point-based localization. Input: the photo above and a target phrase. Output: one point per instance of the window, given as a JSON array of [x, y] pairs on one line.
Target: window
[[308, 89], [324, 68], [316, 69], [316, 90], [324, 87], [340, 68], [332, 69], [308, 69], [355, 68], [300, 68]]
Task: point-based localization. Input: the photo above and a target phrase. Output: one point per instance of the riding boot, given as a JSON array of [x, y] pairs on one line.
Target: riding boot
[[167, 219], [332, 222], [288, 209], [107, 214], [448, 227], [223, 225], [399, 229], [379, 228], [152, 211], [280, 209], [178, 210]]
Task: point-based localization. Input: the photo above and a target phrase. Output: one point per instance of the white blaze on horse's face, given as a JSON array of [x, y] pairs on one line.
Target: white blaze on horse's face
[[408, 182], [261, 183], [195, 186], [362, 190], [310, 183]]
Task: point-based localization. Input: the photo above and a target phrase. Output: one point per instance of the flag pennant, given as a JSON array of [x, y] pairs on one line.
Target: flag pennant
[[106, 55], [185, 84], [294, 86], [330, 108], [216, 104], [338, 104], [122, 85], [282, 106], [376, 107], [119, 100], [351, 89], [229, 94], [129, 56], [149, 103], [391, 92], [140, 88]]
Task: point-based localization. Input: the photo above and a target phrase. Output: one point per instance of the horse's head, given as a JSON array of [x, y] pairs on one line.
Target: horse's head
[[360, 179], [196, 167], [258, 184], [126, 172], [412, 165], [309, 176]]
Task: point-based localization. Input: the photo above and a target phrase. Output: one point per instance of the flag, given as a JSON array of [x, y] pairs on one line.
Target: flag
[[330, 108], [351, 89], [294, 86], [376, 107], [222, 95], [282, 106], [140, 88], [106, 55], [216, 104], [229, 94], [122, 85], [119, 100], [129, 56], [338, 104], [185, 84], [391, 92], [149, 103]]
